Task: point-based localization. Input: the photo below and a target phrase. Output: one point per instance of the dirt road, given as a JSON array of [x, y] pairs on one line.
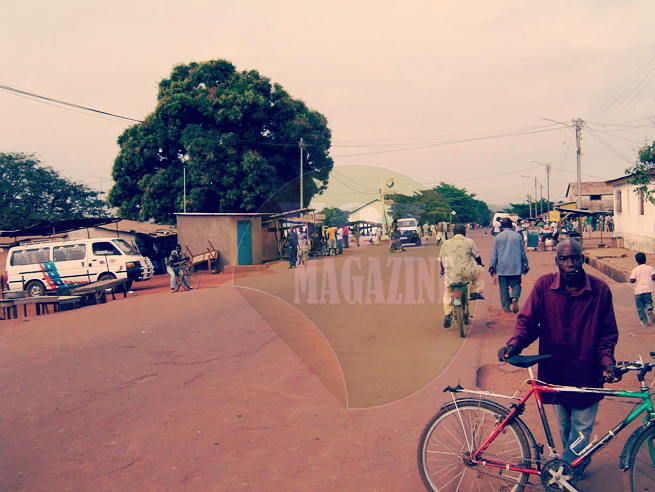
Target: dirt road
[[210, 390]]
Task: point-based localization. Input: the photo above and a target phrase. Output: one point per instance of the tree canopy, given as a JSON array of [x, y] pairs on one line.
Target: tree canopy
[[31, 194], [335, 217], [526, 210], [642, 172], [238, 136], [438, 203]]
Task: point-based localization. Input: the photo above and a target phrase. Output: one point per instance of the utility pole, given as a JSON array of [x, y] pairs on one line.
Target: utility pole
[[548, 184], [300, 144], [577, 124], [535, 194], [547, 180], [535, 197]]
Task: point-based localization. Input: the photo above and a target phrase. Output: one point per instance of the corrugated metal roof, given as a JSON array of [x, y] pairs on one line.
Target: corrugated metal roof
[[134, 227]]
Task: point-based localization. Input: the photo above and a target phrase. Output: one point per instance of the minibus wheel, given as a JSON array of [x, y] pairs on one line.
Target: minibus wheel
[[34, 288]]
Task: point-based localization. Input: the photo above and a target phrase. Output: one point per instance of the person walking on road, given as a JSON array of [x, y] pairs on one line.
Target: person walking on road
[[460, 261], [642, 276], [508, 261], [572, 314], [339, 241]]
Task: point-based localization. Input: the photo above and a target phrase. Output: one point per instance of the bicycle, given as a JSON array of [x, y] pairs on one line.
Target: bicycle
[[475, 443], [395, 244], [461, 312], [186, 276]]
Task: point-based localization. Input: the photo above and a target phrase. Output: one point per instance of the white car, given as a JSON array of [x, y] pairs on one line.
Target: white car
[[409, 231]]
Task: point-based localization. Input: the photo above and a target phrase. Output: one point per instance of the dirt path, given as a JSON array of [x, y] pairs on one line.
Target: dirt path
[[204, 390]]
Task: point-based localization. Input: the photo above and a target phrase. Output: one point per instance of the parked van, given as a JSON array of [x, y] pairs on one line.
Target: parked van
[[40, 267], [502, 215]]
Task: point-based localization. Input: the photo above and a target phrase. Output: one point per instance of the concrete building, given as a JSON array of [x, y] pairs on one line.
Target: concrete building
[[373, 211], [238, 237], [596, 196], [634, 217]]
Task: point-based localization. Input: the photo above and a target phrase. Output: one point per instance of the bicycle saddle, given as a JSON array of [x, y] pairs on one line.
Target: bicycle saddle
[[526, 361]]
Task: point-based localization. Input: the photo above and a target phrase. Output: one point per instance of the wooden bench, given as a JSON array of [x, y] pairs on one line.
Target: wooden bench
[[41, 303]]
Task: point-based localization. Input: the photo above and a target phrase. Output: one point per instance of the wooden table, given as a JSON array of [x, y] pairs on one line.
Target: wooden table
[[8, 306], [40, 303], [95, 292]]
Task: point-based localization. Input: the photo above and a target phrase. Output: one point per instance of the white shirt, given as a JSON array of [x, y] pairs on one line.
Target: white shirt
[[643, 275]]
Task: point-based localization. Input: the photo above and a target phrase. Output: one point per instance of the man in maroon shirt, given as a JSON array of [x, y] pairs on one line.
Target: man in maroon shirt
[[571, 313]]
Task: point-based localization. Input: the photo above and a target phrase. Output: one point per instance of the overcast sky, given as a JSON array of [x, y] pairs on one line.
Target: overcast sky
[[437, 90]]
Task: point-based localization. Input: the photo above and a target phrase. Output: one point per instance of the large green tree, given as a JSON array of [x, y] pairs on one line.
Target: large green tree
[[31, 194], [439, 202], [238, 136]]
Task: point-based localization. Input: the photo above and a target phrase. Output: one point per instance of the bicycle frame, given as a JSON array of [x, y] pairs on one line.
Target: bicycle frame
[[538, 388]]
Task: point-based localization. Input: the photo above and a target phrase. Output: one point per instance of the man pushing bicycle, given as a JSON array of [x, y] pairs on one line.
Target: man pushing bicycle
[[572, 314], [175, 261]]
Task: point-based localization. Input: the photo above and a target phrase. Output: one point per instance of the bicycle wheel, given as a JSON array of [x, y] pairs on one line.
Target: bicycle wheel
[[642, 463], [459, 314], [178, 280], [193, 280], [454, 433]]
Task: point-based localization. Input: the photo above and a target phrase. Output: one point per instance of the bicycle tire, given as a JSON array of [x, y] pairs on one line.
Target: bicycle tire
[[193, 280], [459, 314], [178, 280], [642, 463], [450, 436]]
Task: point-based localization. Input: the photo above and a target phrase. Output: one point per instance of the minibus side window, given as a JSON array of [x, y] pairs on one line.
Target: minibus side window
[[30, 256], [69, 252], [105, 248]]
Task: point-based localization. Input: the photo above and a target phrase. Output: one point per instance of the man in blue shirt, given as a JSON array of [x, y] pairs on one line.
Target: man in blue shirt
[[508, 261]]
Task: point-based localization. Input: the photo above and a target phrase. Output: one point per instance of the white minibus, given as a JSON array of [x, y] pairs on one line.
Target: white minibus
[[41, 267]]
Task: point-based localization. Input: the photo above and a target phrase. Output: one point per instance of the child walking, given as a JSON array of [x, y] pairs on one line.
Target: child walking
[[642, 276]]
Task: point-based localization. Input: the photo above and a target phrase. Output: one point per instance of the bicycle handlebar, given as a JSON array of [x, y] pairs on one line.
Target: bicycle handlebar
[[638, 365]]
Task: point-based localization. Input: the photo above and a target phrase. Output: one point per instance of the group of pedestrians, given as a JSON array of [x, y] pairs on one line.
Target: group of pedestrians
[[460, 261]]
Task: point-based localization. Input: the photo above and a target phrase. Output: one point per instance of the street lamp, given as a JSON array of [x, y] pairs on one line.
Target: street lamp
[[184, 158], [547, 178], [452, 216]]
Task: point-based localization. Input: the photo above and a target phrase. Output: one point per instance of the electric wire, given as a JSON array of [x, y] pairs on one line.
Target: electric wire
[[620, 93], [50, 100]]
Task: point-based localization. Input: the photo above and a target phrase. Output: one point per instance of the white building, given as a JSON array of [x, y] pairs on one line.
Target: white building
[[373, 211], [634, 217]]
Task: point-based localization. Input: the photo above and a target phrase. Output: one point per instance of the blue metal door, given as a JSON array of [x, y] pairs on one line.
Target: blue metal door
[[244, 241]]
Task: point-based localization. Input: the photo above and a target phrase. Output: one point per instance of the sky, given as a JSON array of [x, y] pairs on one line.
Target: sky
[[431, 91]]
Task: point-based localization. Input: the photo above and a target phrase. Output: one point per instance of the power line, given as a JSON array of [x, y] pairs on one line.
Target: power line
[[547, 128], [32, 95]]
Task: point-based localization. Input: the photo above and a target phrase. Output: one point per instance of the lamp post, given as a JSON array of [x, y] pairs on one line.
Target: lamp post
[[547, 180], [184, 158]]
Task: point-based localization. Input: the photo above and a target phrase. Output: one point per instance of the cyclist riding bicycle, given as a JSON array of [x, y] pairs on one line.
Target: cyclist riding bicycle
[[459, 261], [175, 262]]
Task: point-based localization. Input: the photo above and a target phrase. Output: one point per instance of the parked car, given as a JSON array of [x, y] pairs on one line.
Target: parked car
[[409, 231], [40, 267]]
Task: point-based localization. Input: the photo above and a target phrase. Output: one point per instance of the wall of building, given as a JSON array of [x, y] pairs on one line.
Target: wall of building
[[197, 231], [636, 229]]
